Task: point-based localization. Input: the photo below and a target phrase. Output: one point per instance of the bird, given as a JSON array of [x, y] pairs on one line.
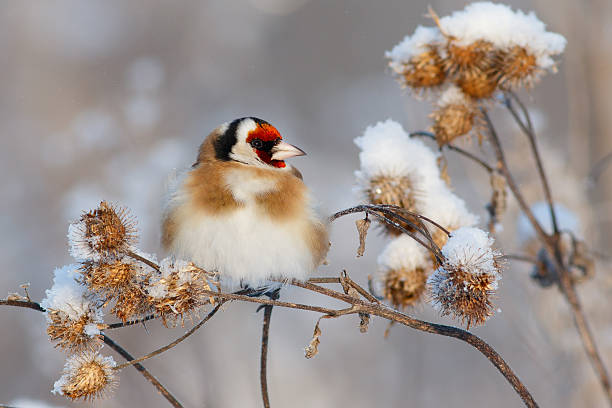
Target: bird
[[244, 213]]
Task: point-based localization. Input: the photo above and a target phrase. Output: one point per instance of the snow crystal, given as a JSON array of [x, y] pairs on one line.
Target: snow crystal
[[504, 28], [566, 220]]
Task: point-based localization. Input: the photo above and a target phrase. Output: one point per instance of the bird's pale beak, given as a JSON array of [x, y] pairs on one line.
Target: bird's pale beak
[[284, 151]]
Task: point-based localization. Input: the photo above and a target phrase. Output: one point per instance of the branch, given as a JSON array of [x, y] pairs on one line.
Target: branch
[[459, 150], [263, 364], [160, 388], [501, 162], [174, 343], [132, 322], [529, 132], [565, 281], [23, 303]]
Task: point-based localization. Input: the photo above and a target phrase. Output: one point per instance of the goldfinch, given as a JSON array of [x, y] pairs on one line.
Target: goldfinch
[[243, 212]]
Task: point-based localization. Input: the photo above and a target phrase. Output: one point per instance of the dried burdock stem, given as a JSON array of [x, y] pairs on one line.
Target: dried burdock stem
[[132, 322], [142, 259], [565, 281], [22, 303], [357, 306], [529, 132], [459, 150], [263, 362], [389, 210], [160, 388], [174, 343]]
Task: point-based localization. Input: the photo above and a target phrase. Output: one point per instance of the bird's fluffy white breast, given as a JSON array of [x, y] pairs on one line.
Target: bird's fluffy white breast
[[243, 245]]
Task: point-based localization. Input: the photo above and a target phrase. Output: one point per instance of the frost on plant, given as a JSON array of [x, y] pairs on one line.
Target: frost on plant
[[86, 376], [464, 284]]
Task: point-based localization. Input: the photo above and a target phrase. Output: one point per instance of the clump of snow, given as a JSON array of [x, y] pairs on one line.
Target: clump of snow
[[387, 150], [413, 45], [403, 253], [566, 220], [469, 249], [68, 296], [453, 95], [504, 28]]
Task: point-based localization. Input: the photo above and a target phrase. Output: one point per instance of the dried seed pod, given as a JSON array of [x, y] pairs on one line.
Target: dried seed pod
[[87, 376], [73, 334], [363, 225], [517, 67], [397, 191], [478, 83], [178, 291], [423, 71], [104, 232], [402, 274], [464, 285], [454, 117], [405, 287], [467, 59]]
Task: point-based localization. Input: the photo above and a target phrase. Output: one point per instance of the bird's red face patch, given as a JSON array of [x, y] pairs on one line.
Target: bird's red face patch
[[263, 138]]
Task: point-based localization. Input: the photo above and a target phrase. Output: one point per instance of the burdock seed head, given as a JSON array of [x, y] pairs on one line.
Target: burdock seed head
[[106, 231], [86, 376]]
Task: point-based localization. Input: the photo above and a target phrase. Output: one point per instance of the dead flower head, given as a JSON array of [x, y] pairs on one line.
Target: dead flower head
[[106, 231], [517, 67], [178, 290], [454, 117], [393, 190], [466, 59], [402, 275], [86, 376], [464, 285], [78, 334]]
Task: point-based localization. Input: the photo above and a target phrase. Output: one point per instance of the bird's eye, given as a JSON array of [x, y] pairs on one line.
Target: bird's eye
[[257, 143], [277, 141]]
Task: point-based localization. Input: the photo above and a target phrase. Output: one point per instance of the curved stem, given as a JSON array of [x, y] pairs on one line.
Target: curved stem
[[459, 150], [160, 388], [529, 132], [565, 281], [263, 363], [174, 343]]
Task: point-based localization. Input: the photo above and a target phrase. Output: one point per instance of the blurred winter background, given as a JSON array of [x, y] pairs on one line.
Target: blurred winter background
[[102, 99]]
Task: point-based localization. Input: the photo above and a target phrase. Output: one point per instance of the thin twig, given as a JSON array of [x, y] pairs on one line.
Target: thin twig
[[132, 322], [263, 363], [175, 342], [529, 132], [160, 388], [459, 150], [565, 281], [142, 259], [503, 165], [23, 303]]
